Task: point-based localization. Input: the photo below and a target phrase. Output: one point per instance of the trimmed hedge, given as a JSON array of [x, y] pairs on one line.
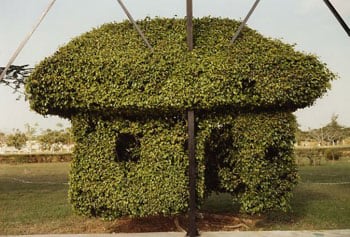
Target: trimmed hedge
[[317, 155], [110, 69], [127, 107], [248, 155], [35, 158]]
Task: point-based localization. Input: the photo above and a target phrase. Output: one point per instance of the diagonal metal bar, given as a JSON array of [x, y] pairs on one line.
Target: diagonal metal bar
[[25, 40], [245, 21], [131, 19], [337, 15]]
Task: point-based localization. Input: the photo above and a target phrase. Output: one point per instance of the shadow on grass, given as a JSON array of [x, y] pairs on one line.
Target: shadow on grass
[[220, 204]]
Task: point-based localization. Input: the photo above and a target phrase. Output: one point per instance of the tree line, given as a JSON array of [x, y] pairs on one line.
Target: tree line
[[331, 134], [49, 139]]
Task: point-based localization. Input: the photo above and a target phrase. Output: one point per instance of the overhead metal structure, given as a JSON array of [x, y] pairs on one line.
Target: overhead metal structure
[[189, 14], [244, 22], [192, 230], [131, 19], [337, 15], [25, 40]]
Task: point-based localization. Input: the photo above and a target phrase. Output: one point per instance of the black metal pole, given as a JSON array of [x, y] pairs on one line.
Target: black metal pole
[[192, 225], [339, 18], [189, 8]]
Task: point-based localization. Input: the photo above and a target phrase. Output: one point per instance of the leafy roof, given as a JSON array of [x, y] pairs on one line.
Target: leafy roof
[[111, 69]]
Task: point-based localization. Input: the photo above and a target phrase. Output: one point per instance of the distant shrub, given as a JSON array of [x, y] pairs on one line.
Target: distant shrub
[[333, 154], [35, 158]]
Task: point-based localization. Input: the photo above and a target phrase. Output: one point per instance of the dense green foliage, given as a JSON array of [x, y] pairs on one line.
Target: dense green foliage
[[248, 155], [110, 69], [127, 108]]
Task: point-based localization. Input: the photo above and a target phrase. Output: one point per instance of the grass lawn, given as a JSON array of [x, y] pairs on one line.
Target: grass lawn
[[33, 199], [322, 199]]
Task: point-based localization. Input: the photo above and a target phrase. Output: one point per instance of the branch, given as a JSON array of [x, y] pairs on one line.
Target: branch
[[16, 76]]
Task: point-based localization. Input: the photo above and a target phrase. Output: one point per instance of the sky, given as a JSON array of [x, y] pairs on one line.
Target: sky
[[307, 23]]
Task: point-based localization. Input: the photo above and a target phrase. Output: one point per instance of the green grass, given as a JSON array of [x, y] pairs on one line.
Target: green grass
[[321, 201], [33, 199], [32, 194]]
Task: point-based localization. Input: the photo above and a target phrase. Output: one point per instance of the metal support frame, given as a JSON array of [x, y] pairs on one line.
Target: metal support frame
[[192, 170], [131, 19], [244, 22], [337, 15], [26, 39], [192, 225], [189, 7]]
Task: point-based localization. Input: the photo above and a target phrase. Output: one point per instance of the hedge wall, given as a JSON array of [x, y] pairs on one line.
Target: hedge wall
[[111, 69], [35, 158], [139, 168]]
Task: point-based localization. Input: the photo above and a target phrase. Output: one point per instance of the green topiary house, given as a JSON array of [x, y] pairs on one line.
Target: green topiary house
[[127, 108]]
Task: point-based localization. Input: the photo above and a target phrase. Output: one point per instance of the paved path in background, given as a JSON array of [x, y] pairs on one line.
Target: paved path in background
[[329, 233]]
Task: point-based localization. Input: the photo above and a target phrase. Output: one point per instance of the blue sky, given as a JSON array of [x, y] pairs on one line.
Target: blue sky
[[307, 23]]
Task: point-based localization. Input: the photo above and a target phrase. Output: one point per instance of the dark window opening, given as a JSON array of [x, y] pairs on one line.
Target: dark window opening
[[272, 154], [128, 148], [218, 150]]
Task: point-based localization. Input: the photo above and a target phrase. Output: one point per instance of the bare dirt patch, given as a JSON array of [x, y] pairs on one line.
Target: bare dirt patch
[[205, 221]]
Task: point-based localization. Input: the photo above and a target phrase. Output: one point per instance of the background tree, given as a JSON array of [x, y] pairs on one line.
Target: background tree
[[301, 136], [54, 139], [30, 131], [316, 135], [2, 138], [333, 133], [346, 132], [17, 140]]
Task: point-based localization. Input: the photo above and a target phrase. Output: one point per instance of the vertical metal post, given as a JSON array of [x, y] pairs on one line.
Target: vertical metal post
[[189, 24], [192, 226]]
